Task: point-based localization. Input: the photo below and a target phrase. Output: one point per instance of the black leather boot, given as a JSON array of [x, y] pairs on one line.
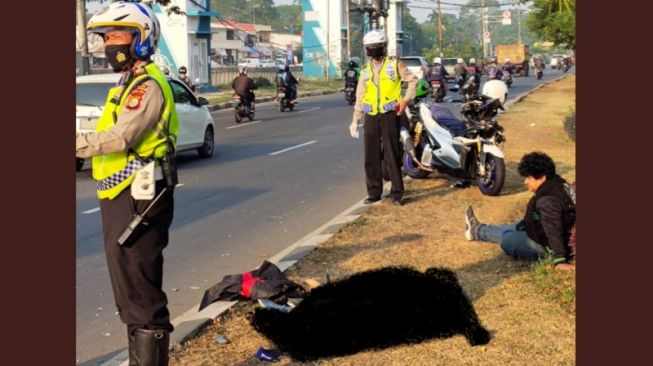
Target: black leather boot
[[132, 348], [151, 347]]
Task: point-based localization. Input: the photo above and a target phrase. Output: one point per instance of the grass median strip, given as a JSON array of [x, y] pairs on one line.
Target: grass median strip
[[528, 307], [305, 85]]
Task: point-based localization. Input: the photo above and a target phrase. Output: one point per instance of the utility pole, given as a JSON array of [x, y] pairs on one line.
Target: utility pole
[[347, 21], [81, 35], [518, 25], [328, 45], [440, 30], [483, 28]]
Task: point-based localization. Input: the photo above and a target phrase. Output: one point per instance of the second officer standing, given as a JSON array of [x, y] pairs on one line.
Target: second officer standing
[[378, 97]]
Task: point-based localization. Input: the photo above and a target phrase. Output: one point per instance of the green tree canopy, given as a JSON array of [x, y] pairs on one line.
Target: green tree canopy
[[554, 21]]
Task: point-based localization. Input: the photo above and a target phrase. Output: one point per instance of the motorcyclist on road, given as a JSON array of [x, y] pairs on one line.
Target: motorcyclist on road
[[473, 72], [286, 79], [460, 70], [437, 70], [508, 66], [352, 73], [243, 86], [492, 68], [538, 61]]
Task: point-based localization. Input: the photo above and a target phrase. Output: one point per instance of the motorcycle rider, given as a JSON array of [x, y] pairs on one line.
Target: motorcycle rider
[[243, 86], [492, 68], [473, 72], [438, 72], [378, 98], [287, 80], [538, 62], [352, 73], [460, 69]]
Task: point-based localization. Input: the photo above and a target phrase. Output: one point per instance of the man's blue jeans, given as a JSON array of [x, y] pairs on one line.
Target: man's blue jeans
[[513, 242]]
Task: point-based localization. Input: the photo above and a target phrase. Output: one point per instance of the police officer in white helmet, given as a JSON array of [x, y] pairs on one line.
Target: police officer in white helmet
[[378, 97], [133, 151]]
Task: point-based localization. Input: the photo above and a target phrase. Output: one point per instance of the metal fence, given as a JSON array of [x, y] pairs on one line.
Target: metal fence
[[226, 74]]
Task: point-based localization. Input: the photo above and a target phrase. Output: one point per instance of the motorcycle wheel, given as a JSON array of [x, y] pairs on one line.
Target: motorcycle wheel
[[250, 115], [238, 117], [281, 108], [292, 106], [351, 102], [413, 169], [492, 183]]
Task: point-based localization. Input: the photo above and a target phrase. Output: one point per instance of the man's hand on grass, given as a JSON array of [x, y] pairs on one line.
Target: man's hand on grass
[[565, 267]]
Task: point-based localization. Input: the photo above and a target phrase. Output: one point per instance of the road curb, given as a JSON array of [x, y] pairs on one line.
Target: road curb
[[191, 322], [225, 105]]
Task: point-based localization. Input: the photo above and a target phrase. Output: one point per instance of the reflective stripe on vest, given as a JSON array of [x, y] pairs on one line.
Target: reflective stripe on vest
[[384, 97], [115, 171]]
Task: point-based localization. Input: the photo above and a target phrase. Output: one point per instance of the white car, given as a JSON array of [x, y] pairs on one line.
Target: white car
[[417, 65], [250, 62], [268, 63], [196, 130]]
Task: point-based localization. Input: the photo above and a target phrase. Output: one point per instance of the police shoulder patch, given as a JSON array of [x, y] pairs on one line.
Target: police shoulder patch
[[135, 97]]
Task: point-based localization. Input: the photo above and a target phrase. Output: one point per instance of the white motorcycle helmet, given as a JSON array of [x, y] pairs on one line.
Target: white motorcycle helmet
[[437, 60], [375, 43], [495, 89], [472, 61], [460, 61], [135, 17], [376, 36]]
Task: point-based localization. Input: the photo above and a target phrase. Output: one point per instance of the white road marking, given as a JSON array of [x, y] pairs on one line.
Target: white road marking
[[292, 148], [245, 124], [179, 185], [308, 110]]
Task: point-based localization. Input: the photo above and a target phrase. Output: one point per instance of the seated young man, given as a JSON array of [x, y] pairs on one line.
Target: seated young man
[[546, 226]]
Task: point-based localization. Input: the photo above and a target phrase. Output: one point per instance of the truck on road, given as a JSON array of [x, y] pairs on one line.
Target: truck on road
[[518, 54]]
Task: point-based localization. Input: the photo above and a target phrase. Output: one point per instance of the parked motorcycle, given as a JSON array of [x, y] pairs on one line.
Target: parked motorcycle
[[350, 93], [507, 78], [283, 99], [242, 109], [438, 89], [474, 154]]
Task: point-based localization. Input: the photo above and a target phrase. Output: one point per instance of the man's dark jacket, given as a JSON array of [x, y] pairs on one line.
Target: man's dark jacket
[[550, 215], [242, 86]]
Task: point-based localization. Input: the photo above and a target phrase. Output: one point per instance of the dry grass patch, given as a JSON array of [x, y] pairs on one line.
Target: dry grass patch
[[531, 316]]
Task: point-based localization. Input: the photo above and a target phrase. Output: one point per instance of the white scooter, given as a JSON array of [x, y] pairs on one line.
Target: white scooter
[[474, 154]]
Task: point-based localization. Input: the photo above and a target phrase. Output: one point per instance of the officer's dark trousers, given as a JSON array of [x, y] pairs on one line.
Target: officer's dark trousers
[[136, 268], [382, 129]]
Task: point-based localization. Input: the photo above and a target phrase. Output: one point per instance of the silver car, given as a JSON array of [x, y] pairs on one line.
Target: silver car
[[196, 129]]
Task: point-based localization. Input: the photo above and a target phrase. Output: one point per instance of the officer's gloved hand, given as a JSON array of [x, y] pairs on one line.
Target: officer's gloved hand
[[353, 129], [401, 106]]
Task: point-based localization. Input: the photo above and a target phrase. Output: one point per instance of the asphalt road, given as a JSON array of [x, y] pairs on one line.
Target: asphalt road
[[269, 183]]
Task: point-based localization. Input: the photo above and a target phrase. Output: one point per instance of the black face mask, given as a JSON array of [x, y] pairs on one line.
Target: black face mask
[[375, 52], [118, 56]]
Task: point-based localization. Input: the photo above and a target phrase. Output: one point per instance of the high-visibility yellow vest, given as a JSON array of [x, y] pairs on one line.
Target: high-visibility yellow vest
[[384, 97], [115, 171]]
